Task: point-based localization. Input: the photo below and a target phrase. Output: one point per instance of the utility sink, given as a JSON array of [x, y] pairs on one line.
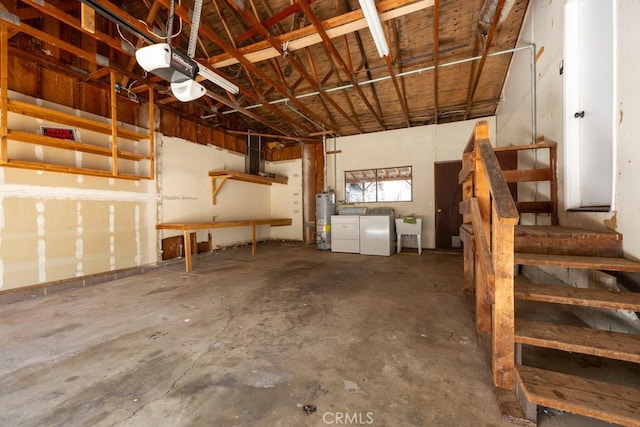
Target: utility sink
[[408, 228]]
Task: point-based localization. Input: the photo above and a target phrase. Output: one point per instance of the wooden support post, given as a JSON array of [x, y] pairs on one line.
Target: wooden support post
[[469, 260], [553, 164], [467, 239], [114, 124], [503, 361], [254, 242], [4, 91], [152, 141], [187, 250], [483, 310]]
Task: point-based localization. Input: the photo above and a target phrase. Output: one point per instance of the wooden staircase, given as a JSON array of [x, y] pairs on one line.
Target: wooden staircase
[[493, 243]]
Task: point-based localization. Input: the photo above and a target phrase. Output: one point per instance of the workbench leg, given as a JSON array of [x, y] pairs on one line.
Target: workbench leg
[[253, 239], [187, 251]]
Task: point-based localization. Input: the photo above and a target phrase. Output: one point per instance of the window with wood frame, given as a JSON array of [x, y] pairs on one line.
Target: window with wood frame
[[392, 184]]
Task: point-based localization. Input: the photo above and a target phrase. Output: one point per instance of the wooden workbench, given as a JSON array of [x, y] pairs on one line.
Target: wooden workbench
[[187, 227]]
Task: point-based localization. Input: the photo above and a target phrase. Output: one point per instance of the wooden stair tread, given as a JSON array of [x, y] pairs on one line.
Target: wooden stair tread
[[578, 339], [595, 399], [584, 262], [558, 240], [557, 231], [588, 297]]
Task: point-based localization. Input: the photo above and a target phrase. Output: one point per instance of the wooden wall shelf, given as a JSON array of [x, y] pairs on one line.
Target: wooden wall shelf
[[224, 175], [126, 137]]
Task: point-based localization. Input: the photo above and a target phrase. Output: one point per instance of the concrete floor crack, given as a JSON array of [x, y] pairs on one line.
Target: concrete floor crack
[[145, 404]]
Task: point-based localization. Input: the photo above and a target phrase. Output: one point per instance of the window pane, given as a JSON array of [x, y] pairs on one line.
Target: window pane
[[378, 185]]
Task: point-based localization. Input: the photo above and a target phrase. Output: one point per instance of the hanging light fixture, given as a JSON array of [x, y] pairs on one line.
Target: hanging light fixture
[[373, 21]]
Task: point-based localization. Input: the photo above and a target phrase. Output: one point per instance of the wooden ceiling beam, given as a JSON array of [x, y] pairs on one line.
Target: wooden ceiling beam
[[264, 93], [396, 85], [347, 98], [304, 4], [214, 38], [48, 9], [293, 61], [249, 68], [487, 45], [365, 62], [233, 103], [436, 56], [268, 135], [334, 27], [151, 16], [312, 66], [270, 11], [241, 21], [229, 36], [274, 19], [41, 35], [27, 13]]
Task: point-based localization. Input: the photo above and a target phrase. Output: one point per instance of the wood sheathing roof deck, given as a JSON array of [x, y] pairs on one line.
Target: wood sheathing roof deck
[[296, 77]]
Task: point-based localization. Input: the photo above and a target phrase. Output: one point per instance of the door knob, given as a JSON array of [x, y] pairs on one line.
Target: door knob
[[439, 210], [579, 114]]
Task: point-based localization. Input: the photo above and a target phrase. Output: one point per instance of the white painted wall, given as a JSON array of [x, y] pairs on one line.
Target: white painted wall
[[286, 200], [544, 27], [56, 226], [418, 147], [184, 188]]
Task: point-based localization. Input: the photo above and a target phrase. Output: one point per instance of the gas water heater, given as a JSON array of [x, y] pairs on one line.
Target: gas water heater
[[325, 207]]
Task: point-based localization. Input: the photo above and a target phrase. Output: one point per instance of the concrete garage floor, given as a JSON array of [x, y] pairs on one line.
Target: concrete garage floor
[[248, 340]]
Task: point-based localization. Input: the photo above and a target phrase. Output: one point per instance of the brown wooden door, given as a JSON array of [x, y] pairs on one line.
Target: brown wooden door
[[448, 194]]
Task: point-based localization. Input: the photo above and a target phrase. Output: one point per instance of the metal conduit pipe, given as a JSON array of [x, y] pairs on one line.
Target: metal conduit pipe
[[335, 164], [422, 70], [324, 163]]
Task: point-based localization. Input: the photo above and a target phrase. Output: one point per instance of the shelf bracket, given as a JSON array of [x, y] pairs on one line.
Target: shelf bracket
[[215, 187]]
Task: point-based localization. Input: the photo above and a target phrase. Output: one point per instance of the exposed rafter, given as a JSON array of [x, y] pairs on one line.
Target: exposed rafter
[[304, 5], [324, 76], [487, 45], [396, 85], [294, 62], [334, 27], [436, 57]]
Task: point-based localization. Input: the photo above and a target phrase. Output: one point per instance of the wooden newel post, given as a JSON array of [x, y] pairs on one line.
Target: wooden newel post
[[482, 193], [503, 363]]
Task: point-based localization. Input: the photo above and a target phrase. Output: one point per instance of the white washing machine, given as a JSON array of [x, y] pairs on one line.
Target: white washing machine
[[345, 233], [377, 232]]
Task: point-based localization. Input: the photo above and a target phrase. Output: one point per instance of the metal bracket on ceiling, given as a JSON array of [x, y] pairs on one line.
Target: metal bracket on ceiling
[[9, 17], [195, 26]]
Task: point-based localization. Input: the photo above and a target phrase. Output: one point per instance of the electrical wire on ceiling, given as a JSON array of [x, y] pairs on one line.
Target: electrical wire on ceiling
[[161, 36], [124, 38]]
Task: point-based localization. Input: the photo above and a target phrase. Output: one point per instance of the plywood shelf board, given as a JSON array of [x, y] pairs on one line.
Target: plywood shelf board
[[240, 176], [111, 129], [38, 112], [23, 164], [32, 138], [224, 175]]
